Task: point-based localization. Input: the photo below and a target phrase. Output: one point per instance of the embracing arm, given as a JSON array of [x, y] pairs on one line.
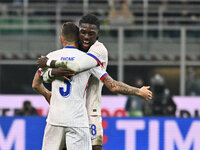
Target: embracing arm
[[39, 87], [85, 62], [122, 88]]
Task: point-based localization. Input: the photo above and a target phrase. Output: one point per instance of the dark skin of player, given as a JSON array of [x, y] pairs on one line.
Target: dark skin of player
[[88, 33]]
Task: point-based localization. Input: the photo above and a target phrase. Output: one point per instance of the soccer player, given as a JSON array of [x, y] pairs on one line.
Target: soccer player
[[89, 28], [67, 119]]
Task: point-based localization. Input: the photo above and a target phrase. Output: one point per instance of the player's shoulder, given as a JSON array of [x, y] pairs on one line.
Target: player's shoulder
[[98, 46], [52, 53], [63, 50]]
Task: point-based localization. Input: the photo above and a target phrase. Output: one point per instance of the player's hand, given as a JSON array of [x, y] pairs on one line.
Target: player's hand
[[62, 72], [41, 62], [145, 93]]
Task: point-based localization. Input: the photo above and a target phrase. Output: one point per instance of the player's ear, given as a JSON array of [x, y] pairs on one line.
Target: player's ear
[[61, 39]]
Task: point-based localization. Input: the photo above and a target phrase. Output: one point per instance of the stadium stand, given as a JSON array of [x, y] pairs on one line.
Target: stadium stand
[[32, 27]]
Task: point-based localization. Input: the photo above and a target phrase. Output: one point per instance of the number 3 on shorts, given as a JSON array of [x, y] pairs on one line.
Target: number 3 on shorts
[[93, 129], [68, 89]]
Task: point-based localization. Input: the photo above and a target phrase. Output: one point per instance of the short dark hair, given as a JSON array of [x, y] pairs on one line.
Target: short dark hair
[[90, 19], [70, 32]]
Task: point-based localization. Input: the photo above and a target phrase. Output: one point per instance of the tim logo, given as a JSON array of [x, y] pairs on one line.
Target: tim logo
[[15, 137], [67, 58], [173, 136]]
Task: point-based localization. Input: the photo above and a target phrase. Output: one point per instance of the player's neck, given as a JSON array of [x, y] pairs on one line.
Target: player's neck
[[71, 44]]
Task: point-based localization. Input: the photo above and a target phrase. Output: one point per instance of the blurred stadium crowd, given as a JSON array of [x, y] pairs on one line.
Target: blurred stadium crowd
[[29, 24]]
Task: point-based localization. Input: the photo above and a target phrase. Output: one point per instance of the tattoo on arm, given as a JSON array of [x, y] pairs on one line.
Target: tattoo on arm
[[120, 87], [110, 82]]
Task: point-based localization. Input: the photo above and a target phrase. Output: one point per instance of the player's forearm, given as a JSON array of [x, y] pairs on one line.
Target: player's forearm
[[73, 65], [82, 63], [120, 87], [39, 87]]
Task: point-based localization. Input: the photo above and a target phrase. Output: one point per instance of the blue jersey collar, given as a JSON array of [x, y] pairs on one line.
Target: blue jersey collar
[[70, 47]]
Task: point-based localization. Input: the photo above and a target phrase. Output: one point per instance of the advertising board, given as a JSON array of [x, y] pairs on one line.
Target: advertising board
[[120, 133]]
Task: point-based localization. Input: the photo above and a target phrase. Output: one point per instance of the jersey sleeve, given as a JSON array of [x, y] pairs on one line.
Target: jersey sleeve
[[99, 52], [83, 63], [39, 71], [99, 72], [50, 55], [44, 73]]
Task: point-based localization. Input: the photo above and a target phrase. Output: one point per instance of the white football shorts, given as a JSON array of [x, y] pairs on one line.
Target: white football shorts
[[75, 138], [96, 130]]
